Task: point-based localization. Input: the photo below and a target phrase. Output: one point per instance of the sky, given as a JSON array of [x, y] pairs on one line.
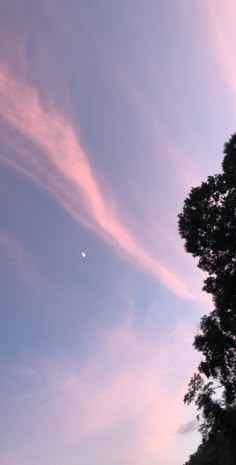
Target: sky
[[110, 111]]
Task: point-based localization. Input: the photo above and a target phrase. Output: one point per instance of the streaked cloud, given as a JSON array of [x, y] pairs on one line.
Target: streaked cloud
[[221, 36], [18, 262], [127, 381], [59, 165], [188, 427]]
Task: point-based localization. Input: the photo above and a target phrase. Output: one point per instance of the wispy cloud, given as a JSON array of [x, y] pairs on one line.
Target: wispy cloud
[[188, 427], [17, 261], [126, 381], [186, 170], [58, 164], [220, 32]]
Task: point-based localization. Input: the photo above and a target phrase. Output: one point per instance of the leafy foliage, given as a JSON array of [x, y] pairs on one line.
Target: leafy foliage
[[208, 226], [216, 450]]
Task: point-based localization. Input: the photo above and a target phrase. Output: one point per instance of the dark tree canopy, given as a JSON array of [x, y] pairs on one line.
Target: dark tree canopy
[[208, 226], [216, 450]]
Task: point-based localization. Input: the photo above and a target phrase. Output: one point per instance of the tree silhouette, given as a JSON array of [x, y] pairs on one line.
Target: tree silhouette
[[208, 226]]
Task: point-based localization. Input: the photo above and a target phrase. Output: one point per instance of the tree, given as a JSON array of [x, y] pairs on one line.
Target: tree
[[208, 226], [217, 450]]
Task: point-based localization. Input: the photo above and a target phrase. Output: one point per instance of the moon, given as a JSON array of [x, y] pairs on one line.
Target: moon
[[83, 254]]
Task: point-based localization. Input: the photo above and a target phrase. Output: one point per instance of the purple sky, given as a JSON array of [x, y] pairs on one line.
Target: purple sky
[[109, 112]]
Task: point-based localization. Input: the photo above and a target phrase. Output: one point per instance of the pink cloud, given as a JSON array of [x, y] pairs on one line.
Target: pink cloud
[[220, 32], [59, 165], [126, 379], [17, 260], [187, 173]]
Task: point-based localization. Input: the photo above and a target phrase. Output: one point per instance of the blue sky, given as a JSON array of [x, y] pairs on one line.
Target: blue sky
[[109, 113]]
